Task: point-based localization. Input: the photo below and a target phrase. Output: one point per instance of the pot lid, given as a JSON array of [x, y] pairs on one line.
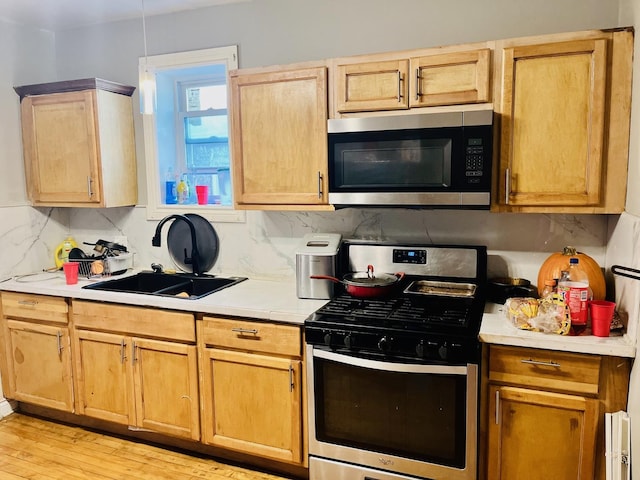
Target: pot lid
[[179, 243], [370, 279]]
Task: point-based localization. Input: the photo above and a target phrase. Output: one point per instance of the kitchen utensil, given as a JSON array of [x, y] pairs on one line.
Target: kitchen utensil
[[506, 287], [179, 243], [366, 284]]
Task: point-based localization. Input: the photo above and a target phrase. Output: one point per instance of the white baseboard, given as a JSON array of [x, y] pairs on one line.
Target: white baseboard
[[5, 408]]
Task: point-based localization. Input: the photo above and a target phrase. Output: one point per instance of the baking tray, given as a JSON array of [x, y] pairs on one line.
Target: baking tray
[[441, 289]]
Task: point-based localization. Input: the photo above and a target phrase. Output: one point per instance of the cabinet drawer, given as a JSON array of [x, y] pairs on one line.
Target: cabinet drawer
[[252, 336], [35, 307], [546, 369], [146, 322]]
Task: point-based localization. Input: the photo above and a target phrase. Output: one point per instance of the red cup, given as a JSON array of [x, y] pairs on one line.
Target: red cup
[[202, 191], [71, 272], [601, 317]]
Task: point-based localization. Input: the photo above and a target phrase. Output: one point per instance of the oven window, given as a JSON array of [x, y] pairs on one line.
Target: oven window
[[395, 164], [419, 416]]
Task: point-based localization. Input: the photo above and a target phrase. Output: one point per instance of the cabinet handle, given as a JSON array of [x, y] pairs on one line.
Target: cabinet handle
[[28, 303], [134, 351], [89, 190], [497, 407], [243, 331], [507, 186], [123, 351], [319, 185], [418, 94], [399, 86], [537, 362], [59, 339], [291, 378]]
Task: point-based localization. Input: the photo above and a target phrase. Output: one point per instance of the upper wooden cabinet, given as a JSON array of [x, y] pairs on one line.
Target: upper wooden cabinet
[[78, 141], [279, 138], [399, 81], [564, 105]]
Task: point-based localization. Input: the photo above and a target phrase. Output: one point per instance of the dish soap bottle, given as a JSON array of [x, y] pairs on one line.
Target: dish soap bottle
[[183, 190], [61, 254], [574, 287]]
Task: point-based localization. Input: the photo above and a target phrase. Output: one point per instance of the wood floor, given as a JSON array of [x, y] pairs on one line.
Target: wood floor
[[36, 449]]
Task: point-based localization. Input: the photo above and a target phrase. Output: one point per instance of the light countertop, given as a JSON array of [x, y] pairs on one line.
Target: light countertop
[[277, 301], [497, 329], [253, 298]]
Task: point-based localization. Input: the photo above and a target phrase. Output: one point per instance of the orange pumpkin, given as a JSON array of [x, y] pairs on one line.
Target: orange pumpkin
[[559, 261]]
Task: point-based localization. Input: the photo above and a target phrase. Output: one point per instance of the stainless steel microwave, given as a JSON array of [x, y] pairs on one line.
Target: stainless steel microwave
[[419, 160]]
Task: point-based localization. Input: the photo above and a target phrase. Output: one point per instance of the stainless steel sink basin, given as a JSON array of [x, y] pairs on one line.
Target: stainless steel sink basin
[[180, 285]]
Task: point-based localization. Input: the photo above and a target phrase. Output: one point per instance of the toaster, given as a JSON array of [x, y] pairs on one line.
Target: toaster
[[317, 255]]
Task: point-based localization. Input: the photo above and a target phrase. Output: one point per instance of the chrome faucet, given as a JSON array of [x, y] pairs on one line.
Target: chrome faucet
[[195, 256]]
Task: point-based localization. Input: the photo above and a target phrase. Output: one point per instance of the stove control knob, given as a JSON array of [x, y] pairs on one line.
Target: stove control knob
[[384, 344], [420, 350], [349, 341], [327, 339], [443, 351]]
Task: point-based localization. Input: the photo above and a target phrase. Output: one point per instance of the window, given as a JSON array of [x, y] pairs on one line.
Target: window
[[187, 137]]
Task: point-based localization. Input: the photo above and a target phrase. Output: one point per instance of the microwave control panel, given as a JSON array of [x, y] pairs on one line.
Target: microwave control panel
[[474, 161]]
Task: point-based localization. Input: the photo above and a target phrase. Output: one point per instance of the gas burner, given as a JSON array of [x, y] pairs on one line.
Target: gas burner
[[408, 324]]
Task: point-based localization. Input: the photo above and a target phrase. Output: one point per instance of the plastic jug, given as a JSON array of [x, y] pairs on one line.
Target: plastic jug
[[61, 254]]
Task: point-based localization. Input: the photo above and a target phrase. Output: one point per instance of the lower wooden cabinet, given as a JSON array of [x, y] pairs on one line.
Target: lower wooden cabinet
[[252, 388], [545, 416], [128, 378], [36, 364]]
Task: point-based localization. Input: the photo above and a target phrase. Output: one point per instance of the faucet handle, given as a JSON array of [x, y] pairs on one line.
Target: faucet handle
[[157, 267]]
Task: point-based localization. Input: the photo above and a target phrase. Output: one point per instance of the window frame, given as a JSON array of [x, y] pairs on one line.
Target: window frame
[[156, 210]]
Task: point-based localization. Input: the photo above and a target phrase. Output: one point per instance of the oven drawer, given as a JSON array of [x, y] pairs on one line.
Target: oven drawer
[[252, 336], [35, 307], [547, 369]]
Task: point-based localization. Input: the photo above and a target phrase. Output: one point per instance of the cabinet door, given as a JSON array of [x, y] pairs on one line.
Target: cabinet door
[[166, 402], [450, 78], [553, 118], [39, 364], [540, 435], [61, 148], [104, 377], [279, 138], [372, 86], [252, 403]]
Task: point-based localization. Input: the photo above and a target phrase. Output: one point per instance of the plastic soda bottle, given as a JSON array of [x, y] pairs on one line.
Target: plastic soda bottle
[[574, 286]]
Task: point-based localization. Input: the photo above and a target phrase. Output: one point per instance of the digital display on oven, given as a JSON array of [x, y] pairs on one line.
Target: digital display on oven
[[413, 255]]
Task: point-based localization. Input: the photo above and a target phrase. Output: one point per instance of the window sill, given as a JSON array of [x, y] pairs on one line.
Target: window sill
[[213, 214]]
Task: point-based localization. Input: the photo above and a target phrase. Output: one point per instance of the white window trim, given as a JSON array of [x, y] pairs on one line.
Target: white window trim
[[156, 210]]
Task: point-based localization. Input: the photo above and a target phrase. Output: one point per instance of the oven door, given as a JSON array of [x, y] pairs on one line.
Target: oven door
[[413, 419]]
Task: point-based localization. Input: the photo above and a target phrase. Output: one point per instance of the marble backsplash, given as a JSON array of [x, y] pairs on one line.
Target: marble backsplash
[[265, 245]]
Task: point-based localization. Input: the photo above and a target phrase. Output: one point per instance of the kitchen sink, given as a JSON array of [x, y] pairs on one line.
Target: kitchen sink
[[179, 285]]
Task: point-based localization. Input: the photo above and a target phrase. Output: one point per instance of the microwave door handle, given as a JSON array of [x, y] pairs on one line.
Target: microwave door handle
[[390, 366]]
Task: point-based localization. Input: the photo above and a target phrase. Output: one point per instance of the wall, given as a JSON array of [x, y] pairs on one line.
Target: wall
[[623, 244], [280, 31]]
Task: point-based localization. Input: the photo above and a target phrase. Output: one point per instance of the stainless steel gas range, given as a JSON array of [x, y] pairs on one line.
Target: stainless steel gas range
[[393, 381]]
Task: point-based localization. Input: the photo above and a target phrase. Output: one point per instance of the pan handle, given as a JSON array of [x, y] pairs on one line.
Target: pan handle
[[326, 277], [624, 271]]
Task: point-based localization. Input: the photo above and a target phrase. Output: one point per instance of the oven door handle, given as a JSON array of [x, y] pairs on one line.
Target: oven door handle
[[390, 366]]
